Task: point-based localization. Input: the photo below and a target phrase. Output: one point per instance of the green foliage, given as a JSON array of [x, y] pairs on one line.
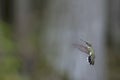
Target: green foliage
[[6, 42], [9, 63]]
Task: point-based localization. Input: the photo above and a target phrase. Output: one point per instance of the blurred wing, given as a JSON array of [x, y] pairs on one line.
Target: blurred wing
[[81, 48], [85, 42]]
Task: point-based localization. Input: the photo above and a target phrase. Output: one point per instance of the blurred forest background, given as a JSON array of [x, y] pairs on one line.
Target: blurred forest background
[[36, 38]]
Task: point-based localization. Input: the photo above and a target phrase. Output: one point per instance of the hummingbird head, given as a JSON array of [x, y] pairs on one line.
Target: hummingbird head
[[91, 60]]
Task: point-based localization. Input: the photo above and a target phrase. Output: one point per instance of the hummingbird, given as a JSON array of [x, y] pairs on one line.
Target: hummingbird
[[88, 49]]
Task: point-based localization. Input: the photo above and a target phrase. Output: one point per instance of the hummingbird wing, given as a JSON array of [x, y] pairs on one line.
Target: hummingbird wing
[[81, 48], [85, 43]]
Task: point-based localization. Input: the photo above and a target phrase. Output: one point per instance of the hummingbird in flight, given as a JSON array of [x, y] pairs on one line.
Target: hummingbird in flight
[[88, 49]]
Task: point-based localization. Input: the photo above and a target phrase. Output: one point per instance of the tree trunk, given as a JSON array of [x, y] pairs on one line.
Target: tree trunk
[[68, 21], [23, 36]]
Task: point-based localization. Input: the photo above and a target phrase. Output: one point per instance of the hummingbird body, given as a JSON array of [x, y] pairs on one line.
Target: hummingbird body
[[91, 56]]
